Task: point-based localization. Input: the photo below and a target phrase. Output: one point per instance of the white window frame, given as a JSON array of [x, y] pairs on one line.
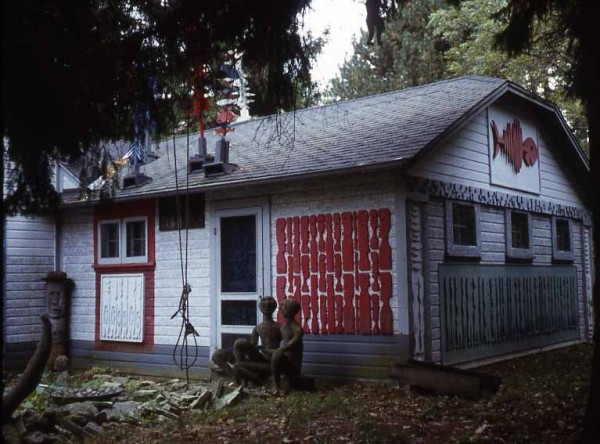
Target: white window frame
[[122, 258]]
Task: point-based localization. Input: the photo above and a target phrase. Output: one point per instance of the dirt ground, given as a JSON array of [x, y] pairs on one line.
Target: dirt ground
[[542, 400]]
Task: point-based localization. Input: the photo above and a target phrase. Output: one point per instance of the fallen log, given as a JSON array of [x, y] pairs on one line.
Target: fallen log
[[32, 375], [444, 380]]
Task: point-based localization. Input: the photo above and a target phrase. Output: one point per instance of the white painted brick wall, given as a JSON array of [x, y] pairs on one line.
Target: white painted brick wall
[[78, 259], [168, 283], [77, 246]]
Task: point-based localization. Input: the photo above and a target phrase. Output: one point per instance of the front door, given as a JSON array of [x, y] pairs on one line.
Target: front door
[[239, 272]]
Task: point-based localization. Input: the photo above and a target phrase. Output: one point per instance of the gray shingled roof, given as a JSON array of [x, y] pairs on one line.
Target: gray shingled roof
[[377, 131]]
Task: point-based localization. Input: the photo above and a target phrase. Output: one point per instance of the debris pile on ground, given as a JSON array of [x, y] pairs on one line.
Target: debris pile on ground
[[59, 413]]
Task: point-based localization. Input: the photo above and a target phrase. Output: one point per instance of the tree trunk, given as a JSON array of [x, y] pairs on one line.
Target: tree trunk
[[588, 79], [33, 372]]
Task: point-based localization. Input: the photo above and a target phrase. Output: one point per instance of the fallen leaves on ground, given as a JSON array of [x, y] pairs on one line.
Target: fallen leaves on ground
[[542, 399]]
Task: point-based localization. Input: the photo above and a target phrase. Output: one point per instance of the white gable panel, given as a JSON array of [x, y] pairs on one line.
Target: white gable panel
[[465, 159], [513, 151]]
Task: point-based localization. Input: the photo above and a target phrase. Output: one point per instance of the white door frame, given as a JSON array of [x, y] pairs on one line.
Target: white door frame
[[248, 207]]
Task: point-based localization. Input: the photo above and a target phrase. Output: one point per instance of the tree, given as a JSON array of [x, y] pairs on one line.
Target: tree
[[79, 73], [409, 55], [543, 68]]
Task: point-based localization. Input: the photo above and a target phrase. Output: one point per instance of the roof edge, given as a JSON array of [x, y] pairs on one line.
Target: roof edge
[[398, 163]]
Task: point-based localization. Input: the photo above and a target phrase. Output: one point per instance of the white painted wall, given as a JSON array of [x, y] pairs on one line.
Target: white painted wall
[[77, 260], [168, 283]]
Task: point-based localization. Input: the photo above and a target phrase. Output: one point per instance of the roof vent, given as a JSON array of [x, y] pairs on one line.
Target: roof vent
[[136, 157], [196, 162], [221, 164], [135, 180]]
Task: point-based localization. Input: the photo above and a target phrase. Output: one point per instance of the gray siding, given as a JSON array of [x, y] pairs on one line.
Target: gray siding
[[29, 256], [493, 251], [350, 356], [158, 361]]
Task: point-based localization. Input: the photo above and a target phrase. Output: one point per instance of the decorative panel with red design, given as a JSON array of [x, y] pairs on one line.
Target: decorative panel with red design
[[338, 267]]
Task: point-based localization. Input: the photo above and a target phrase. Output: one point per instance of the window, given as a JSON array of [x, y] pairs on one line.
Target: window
[[518, 235], [123, 241], [463, 234], [167, 212], [562, 247]]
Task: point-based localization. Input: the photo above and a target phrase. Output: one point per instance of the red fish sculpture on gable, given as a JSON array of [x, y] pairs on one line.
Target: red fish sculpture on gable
[[514, 149]]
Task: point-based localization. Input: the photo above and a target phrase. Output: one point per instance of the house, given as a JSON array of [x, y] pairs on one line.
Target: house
[[30, 254], [447, 222]]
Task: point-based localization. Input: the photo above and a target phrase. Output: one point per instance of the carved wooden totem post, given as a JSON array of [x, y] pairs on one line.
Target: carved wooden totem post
[[58, 296]]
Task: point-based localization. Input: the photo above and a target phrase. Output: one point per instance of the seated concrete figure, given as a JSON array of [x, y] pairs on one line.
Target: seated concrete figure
[[287, 360], [248, 351], [253, 362]]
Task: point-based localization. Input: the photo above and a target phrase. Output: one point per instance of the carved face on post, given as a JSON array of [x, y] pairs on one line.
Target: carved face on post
[[56, 303]]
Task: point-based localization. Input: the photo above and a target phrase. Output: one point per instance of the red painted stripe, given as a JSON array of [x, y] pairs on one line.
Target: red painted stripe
[[363, 241], [330, 306], [386, 311], [385, 251], [280, 235], [375, 270], [314, 305], [280, 284], [337, 228], [374, 222], [329, 242], [338, 272], [364, 320], [304, 234], [348, 303], [305, 272], [322, 282], [314, 263], [296, 243], [347, 245]]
